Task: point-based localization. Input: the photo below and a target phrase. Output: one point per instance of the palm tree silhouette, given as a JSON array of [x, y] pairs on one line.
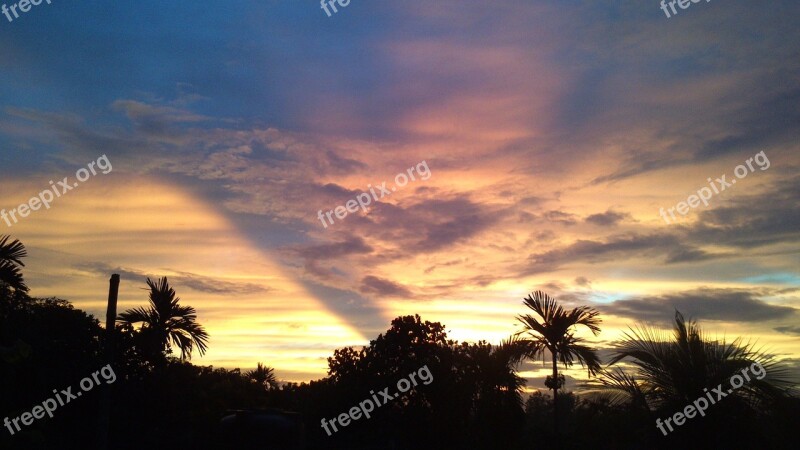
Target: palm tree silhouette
[[165, 321], [554, 331], [11, 254], [264, 376], [671, 372]]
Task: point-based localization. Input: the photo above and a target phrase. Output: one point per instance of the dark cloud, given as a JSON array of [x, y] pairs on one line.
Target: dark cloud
[[429, 225], [441, 235], [630, 245], [193, 281], [561, 217], [156, 120], [688, 254], [105, 269], [444, 264], [527, 201], [545, 236], [526, 217], [764, 116], [314, 256], [788, 330], [351, 246], [702, 304], [608, 218], [216, 286], [642, 162], [771, 119], [383, 287], [343, 164], [583, 281], [752, 221], [552, 287]]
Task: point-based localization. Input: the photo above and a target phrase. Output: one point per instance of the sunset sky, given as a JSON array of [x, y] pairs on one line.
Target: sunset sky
[[554, 132]]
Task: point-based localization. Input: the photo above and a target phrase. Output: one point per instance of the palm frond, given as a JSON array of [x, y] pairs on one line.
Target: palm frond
[[11, 254], [554, 330], [171, 323], [572, 349], [680, 369], [622, 388], [137, 315], [12, 251], [11, 275]]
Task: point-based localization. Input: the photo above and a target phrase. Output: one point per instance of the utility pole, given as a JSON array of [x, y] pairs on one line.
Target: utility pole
[[104, 421]]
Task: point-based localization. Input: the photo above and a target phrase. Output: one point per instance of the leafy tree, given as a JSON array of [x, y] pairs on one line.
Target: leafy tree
[[166, 322], [474, 400], [554, 330], [53, 345]]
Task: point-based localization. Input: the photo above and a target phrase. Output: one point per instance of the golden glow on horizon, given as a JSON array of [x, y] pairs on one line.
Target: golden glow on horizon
[[153, 227], [146, 225]]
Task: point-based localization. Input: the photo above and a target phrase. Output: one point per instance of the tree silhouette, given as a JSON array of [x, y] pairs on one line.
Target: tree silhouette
[[495, 370], [166, 322], [671, 372], [554, 331], [490, 380], [264, 376], [13, 296], [11, 254]]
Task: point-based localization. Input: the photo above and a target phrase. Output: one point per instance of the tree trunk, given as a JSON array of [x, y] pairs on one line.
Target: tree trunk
[[555, 394]]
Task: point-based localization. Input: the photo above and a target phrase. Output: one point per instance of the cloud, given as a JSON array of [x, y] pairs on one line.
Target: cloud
[[755, 220], [583, 281], [788, 330], [216, 286], [607, 219], [630, 245], [561, 217], [193, 281], [708, 304], [354, 245], [315, 255], [384, 288], [427, 225]]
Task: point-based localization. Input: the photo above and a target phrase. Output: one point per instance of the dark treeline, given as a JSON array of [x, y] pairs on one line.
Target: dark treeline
[[475, 400]]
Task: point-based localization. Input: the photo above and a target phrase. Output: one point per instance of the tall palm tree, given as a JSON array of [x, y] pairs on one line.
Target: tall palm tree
[[166, 322], [264, 376], [554, 330], [11, 254], [671, 372]]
